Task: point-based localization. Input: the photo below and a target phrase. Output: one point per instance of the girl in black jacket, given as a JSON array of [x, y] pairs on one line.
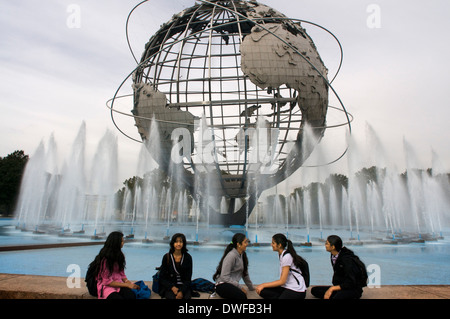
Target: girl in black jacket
[[347, 276], [176, 270]]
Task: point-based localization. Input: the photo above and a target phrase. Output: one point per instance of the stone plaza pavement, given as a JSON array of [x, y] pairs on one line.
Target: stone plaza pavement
[[44, 287]]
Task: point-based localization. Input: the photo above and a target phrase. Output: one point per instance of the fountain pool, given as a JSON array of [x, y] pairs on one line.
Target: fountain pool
[[424, 263]]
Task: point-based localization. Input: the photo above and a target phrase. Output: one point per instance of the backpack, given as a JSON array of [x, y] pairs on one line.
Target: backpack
[[143, 292], [362, 272], [202, 285], [91, 280], [155, 283], [304, 269], [305, 273]]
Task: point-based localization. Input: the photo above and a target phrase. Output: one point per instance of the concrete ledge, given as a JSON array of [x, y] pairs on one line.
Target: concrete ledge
[[47, 246], [45, 287]]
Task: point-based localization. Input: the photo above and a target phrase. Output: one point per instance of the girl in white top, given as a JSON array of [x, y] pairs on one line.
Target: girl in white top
[[291, 284]]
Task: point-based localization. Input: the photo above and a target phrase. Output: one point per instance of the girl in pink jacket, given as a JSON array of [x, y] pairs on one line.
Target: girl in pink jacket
[[110, 265]]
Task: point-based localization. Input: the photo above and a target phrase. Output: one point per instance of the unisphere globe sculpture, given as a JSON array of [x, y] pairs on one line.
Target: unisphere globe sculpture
[[231, 87]]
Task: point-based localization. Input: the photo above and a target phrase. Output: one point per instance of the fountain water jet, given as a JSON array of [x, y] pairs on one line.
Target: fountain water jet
[[404, 207]]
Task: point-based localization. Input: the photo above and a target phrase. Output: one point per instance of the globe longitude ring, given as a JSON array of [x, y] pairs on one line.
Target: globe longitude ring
[[239, 90]]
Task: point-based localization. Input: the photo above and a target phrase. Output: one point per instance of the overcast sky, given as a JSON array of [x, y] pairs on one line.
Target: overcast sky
[[61, 60]]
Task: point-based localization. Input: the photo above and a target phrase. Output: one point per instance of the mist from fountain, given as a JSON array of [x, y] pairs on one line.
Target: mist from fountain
[[56, 200], [377, 203]]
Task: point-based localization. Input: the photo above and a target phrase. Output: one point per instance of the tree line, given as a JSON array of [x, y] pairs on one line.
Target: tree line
[[12, 168], [366, 175]]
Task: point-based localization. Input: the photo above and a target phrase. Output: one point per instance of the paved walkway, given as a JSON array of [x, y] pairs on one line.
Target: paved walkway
[[44, 287]]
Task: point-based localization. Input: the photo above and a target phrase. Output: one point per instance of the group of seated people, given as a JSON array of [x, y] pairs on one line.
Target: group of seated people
[[176, 271]]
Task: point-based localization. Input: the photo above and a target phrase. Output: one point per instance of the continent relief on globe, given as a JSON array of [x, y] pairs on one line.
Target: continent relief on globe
[[151, 103], [269, 63]]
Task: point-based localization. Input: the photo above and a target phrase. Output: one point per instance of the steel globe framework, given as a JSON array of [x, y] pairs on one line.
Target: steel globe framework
[[234, 84]]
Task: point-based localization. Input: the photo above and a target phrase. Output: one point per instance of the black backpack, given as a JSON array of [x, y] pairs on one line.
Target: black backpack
[[362, 271], [91, 280], [202, 285], [305, 272]]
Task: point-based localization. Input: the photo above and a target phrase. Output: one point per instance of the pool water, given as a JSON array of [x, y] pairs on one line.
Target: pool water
[[425, 263], [412, 264]]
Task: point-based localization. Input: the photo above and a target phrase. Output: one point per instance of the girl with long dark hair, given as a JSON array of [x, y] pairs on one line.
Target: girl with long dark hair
[[176, 270], [109, 266], [232, 268], [349, 273], [291, 284]]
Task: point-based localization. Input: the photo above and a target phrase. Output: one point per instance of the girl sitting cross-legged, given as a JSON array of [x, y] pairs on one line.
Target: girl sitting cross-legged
[[291, 284]]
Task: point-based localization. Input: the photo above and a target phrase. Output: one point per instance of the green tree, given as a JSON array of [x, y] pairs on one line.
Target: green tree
[[11, 172], [338, 180], [368, 174]]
